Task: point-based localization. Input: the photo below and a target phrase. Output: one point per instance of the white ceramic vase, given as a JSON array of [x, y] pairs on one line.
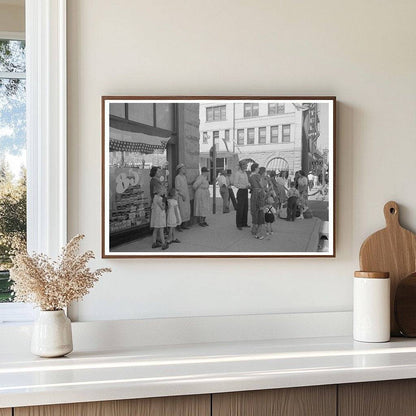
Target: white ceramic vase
[[52, 334]]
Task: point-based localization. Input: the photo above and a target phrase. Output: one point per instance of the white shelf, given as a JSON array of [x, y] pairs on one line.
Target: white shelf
[[150, 371]]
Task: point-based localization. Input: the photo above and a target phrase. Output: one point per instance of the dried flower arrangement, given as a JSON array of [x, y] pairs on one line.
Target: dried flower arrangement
[[53, 285]]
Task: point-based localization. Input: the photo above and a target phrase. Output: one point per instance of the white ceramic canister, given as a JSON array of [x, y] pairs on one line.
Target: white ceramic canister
[[371, 313]]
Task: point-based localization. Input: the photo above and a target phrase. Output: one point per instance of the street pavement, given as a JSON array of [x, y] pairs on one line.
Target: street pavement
[[222, 235]]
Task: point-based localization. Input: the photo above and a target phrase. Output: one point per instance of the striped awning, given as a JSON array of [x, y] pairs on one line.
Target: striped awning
[[126, 141]]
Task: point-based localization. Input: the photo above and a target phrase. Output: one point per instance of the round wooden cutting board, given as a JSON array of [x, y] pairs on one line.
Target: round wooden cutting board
[[393, 250]]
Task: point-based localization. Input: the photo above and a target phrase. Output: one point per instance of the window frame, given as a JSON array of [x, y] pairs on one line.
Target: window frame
[[283, 134], [249, 130], [274, 136], [251, 106], [265, 135], [243, 137], [227, 135], [46, 137], [278, 107], [222, 111]]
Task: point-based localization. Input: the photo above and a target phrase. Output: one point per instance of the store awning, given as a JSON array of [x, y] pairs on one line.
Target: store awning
[[126, 141]]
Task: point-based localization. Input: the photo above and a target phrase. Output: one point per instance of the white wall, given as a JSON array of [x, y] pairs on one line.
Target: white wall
[[361, 51]]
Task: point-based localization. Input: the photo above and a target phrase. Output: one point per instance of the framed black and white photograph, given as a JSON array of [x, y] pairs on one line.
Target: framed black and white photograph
[[218, 176]]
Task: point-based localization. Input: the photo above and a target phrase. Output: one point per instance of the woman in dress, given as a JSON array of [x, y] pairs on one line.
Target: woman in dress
[[279, 189], [303, 188], [158, 219], [256, 200], [155, 182], [201, 198], [181, 185]]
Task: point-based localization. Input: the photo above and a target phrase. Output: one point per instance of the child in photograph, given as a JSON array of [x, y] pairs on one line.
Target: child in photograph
[[269, 215], [292, 202], [173, 216], [158, 218]]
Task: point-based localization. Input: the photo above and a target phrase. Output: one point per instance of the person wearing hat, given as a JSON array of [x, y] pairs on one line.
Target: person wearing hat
[[224, 192], [242, 184], [184, 202], [201, 198]]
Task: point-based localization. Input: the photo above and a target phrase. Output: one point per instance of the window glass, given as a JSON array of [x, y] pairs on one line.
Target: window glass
[[223, 113], [286, 133], [247, 110], [262, 135], [250, 136], [251, 109], [276, 108], [217, 113], [240, 137], [210, 114], [12, 56], [205, 137], [12, 155], [141, 113], [164, 116], [118, 109], [274, 134], [227, 135]]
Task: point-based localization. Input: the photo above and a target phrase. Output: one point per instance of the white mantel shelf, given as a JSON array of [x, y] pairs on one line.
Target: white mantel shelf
[[151, 371]]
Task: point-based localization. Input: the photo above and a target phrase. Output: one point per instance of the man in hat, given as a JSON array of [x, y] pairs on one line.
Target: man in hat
[[242, 184], [181, 185], [224, 192]]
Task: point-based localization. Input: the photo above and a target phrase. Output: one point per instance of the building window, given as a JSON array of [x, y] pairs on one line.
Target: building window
[[274, 134], [227, 135], [240, 137], [262, 135], [205, 137], [216, 135], [276, 108], [250, 136], [217, 113], [286, 133], [251, 110]]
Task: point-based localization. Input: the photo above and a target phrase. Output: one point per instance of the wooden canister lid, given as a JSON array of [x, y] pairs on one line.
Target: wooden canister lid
[[372, 275]]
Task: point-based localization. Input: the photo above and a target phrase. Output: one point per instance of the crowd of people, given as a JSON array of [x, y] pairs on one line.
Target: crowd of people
[[171, 209], [271, 195]]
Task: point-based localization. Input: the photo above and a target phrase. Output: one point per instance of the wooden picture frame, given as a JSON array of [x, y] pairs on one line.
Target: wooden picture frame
[[282, 134]]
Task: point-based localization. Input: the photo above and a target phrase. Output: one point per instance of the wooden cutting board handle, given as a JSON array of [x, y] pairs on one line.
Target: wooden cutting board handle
[[393, 250], [391, 214]]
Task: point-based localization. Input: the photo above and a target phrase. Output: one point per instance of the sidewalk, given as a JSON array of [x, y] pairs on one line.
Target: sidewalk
[[222, 236]]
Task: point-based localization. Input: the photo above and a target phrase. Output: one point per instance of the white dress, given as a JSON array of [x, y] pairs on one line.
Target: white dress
[[173, 218], [201, 198], [181, 185], [158, 215]]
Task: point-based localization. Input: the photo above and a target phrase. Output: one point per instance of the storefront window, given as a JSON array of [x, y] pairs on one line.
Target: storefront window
[[142, 113], [134, 149], [118, 109], [164, 116]]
